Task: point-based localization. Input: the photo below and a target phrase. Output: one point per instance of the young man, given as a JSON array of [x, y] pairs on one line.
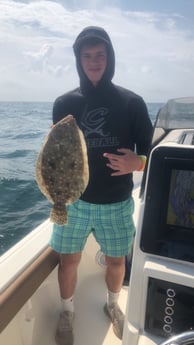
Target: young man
[[115, 122]]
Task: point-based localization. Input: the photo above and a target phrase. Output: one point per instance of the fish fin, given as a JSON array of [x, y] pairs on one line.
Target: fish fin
[[58, 216]]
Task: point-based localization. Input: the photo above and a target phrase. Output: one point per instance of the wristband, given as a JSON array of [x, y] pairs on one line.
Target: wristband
[[143, 163]]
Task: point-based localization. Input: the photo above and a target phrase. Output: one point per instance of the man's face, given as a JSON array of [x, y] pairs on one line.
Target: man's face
[[94, 61]]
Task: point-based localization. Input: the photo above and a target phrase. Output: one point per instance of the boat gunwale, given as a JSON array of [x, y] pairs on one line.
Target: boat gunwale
[[27, 282]]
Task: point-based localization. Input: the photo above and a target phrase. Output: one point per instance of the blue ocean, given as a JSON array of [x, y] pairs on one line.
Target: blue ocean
[[23, 127]]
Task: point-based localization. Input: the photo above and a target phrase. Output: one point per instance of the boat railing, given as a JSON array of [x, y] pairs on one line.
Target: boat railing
[[26, 283]]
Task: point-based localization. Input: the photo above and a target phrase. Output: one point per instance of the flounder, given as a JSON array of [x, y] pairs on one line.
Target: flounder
[[62, 172]]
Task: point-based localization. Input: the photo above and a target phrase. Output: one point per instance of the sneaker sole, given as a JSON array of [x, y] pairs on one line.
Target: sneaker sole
[[60, 341]]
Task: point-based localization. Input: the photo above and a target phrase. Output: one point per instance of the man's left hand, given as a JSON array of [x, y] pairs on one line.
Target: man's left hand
[[123, 163]]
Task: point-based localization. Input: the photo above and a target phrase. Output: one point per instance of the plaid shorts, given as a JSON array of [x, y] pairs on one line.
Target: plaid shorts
[[111, 224]]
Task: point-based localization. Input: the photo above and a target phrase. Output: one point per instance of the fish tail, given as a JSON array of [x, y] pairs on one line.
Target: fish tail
[[58, 216]]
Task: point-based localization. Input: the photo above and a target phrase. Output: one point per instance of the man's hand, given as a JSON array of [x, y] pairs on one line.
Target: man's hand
[[124, 163]]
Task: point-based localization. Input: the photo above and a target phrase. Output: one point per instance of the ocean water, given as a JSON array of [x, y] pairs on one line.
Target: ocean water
[[23, 127]]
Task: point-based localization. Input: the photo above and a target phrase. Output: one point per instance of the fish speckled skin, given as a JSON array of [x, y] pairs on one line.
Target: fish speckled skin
[[62, 167]]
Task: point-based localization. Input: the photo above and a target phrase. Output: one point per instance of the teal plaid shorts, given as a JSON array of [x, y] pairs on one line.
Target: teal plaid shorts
[[111, 224]]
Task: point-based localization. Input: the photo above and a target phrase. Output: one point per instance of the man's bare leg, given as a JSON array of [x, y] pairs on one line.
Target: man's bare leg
[[114, 279], [67, 273]]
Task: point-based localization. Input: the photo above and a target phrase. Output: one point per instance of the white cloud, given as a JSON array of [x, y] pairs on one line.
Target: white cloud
[[40, 60], [146, 69], [154, 51]]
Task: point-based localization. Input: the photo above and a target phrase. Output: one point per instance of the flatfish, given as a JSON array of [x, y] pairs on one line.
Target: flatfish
[[62, 172]]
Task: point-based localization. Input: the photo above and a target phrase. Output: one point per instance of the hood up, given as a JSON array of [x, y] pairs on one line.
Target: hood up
[[100, 35]]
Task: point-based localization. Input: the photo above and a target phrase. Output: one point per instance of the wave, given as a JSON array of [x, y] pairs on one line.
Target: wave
[[30, 135], [23, 207], [16, 154]]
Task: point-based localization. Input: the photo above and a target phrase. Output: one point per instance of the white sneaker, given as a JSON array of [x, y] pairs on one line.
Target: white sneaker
[[64, 331], [117, 318]]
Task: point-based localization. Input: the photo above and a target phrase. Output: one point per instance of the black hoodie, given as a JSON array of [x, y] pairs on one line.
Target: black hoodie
[[110, 117]]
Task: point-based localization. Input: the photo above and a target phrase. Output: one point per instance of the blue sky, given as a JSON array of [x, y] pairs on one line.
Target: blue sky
[[153, 42]]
